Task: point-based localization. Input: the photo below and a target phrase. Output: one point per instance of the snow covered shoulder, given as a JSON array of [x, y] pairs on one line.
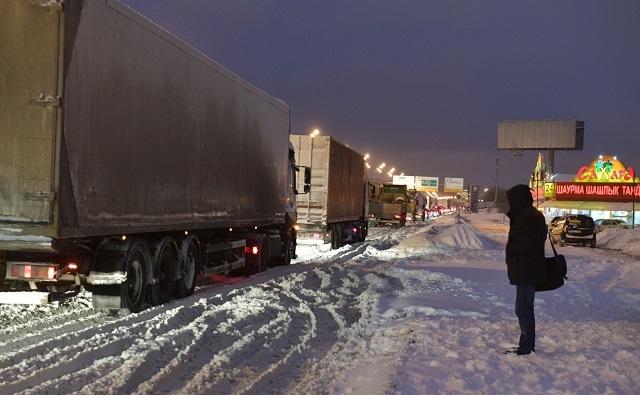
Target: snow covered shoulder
[[418, 310]]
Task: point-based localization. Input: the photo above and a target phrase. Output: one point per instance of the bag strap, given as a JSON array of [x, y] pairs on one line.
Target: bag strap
[[552, 246]]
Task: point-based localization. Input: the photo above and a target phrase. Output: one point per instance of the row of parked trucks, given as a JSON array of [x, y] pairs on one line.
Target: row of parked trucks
[[130, 163]]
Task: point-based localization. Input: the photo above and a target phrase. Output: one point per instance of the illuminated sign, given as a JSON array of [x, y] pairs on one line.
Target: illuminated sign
[[427, 184], [453, 184], [596, 191], [409, 181], [605, 169], [549, 190]]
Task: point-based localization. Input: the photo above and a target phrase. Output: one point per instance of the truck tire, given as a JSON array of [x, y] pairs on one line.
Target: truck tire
[[133, 290], [165, 266], [188, 267], [336, 236], [287, 251]]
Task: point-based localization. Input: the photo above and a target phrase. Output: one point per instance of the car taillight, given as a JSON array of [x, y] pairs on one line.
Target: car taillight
[[251, 250]]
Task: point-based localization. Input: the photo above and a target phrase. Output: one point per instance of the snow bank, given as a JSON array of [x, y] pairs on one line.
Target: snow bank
[[624, 240], [461, 236], [417, 243]]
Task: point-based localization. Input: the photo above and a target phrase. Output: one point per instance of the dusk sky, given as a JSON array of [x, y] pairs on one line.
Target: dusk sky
[[421, 84]]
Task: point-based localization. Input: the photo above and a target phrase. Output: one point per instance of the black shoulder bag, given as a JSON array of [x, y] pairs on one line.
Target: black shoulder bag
[[555, 271]]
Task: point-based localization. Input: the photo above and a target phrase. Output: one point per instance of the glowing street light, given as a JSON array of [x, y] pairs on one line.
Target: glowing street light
[[379, 170], [366, 156], [315, 133], [368, 165], [382, 165]]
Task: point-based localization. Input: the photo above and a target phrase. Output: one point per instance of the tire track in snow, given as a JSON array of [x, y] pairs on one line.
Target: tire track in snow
[[62, 361]]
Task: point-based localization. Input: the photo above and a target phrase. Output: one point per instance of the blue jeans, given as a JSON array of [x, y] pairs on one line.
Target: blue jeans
[[525, 295]]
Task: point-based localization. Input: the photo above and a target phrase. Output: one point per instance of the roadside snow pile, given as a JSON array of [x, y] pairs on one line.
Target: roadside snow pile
[[624, 240], [417, 243], [461, 236]]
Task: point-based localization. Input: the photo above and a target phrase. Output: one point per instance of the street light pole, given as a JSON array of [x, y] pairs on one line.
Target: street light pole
[[495, 198]]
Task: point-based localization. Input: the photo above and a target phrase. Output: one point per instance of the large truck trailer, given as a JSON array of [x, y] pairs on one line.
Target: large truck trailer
[[336, 209], [129, 161]]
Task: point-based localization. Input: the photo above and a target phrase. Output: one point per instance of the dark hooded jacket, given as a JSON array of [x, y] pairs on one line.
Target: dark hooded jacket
[[527, 235]]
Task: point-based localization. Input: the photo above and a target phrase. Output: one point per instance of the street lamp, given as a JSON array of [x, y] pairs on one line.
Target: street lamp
[[314, 133], [368, 165], [366, 156], [382, 165]]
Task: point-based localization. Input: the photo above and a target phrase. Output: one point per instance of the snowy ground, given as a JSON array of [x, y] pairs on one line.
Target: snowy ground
[[419, 310]]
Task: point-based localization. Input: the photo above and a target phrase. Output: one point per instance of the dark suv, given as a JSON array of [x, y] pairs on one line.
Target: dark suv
[[573, 229]]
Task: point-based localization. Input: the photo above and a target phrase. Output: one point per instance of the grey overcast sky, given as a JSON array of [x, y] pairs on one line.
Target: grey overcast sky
[[422, 84]]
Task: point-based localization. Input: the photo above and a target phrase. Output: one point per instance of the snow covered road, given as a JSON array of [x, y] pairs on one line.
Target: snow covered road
[[418, 310]]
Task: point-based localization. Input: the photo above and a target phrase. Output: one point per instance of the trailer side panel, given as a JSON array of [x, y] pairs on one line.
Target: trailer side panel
[[158, 136]]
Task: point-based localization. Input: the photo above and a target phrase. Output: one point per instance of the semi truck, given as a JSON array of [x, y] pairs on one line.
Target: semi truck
[[336, 209], [130, 162], [390, 207]]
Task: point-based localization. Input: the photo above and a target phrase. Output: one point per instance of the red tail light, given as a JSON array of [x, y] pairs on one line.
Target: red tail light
[[355, 230], [251, 250]]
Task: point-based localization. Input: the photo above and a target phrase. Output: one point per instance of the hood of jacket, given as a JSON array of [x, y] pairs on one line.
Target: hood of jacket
[[519, 197]]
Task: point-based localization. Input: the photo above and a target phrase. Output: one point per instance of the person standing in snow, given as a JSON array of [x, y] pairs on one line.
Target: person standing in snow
[[525, 260]]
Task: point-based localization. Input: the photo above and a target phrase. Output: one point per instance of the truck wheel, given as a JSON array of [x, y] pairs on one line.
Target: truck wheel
[[133, 290], [336, 237], [188, 267], [288, 251], [164, 271]]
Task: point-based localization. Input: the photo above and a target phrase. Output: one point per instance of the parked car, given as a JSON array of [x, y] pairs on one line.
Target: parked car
[[602, 224], [573, 229]]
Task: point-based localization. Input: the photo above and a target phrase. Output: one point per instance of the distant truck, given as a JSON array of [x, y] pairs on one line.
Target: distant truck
[[390, 207], [336, 209], [130, 162]]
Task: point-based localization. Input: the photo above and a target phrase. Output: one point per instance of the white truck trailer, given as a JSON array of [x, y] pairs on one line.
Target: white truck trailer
[[336, 209]]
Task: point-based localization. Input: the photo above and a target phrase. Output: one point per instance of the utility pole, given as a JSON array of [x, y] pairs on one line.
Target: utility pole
[[495, 198]]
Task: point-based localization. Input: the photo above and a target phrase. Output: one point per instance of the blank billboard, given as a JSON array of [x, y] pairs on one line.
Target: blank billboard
[[563, 134]]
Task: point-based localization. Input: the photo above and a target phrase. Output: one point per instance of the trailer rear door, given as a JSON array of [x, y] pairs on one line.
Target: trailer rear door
[[29, 58]]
